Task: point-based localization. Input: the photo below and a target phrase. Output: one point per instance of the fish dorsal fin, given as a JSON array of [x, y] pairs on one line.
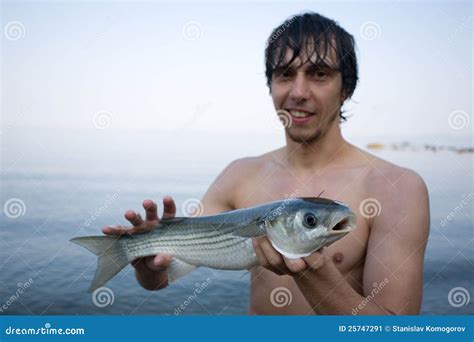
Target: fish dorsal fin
[[170, 223], [173, 220], [178, 268], [252, 230]]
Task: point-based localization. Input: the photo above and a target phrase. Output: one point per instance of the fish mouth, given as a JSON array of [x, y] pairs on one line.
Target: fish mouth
[[343, 225]]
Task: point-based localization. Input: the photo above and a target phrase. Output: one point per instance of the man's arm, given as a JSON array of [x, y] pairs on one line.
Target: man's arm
[[151, 271], [397, 245], [220, 196], [394, 259]]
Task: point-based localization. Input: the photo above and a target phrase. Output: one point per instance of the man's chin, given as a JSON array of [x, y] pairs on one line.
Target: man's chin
[[310, 135], [302, 138]]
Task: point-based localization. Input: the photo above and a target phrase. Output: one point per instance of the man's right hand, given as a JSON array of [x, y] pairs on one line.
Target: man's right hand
[[150, 270]]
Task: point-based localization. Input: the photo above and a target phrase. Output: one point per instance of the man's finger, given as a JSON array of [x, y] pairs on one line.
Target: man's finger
[[262, 260], [116, 230], [139, 263], [151, 210], [158, 262], [274, 258], [316, 260], [162, 260], [134, 218], [295, 265], [169, 210]]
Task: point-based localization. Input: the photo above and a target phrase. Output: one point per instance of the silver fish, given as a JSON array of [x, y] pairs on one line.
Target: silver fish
[[296, 227]]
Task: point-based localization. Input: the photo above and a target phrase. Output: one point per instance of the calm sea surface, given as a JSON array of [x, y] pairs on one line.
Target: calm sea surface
[[56, 206]]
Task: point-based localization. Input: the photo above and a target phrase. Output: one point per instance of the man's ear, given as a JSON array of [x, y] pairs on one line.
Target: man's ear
[[343, 96]]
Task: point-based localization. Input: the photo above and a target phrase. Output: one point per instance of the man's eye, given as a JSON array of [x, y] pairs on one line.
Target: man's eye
[[319, 75], [282, 74]]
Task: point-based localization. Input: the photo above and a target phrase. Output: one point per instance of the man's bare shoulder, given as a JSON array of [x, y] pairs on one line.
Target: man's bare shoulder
[[399, 193], [253, 166], [384, 175], [240, 175]]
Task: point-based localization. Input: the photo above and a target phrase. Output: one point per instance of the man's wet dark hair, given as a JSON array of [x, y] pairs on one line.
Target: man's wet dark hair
[[316, 35]]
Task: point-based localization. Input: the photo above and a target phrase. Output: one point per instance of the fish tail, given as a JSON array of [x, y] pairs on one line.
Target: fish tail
[[111, 259]]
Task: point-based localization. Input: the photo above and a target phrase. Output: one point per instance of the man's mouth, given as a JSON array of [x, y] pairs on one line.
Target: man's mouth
[[300, 116]]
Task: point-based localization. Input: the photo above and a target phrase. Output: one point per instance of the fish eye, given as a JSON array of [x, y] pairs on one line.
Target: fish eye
[[310, 220]]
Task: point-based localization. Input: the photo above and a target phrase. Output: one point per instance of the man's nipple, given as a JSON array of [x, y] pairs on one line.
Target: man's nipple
[[338, 257]]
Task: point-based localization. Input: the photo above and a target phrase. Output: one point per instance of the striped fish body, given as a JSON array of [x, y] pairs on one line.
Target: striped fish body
[[295, 227], [220, 241]]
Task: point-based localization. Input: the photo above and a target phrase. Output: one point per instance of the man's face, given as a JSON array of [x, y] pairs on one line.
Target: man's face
[[310, 94]]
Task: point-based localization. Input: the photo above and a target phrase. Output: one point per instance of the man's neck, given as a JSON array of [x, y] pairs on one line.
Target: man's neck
[[316, 154]]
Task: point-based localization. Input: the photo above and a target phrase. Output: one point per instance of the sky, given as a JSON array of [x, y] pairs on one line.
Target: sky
[[104, 70]]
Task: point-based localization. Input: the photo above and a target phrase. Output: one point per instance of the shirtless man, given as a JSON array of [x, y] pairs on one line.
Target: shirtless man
[[311, 70]]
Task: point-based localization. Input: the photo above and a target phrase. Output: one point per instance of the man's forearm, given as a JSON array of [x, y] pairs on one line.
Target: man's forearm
[[328, 292]]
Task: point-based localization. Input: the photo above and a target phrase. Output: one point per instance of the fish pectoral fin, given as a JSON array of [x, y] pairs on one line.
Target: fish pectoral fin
[[178, 268], [252, 230]]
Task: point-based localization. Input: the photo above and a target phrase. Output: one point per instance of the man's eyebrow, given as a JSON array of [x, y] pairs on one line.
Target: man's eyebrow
[[312, 67], [283, 70], [321, 67]]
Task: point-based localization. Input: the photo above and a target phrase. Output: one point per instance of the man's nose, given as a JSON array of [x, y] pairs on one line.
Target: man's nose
[[299, 88]]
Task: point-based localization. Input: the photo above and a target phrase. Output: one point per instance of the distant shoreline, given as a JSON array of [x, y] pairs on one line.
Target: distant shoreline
[[404, 146]]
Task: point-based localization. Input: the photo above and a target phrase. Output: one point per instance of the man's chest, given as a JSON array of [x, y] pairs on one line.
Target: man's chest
[[347, 187]]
